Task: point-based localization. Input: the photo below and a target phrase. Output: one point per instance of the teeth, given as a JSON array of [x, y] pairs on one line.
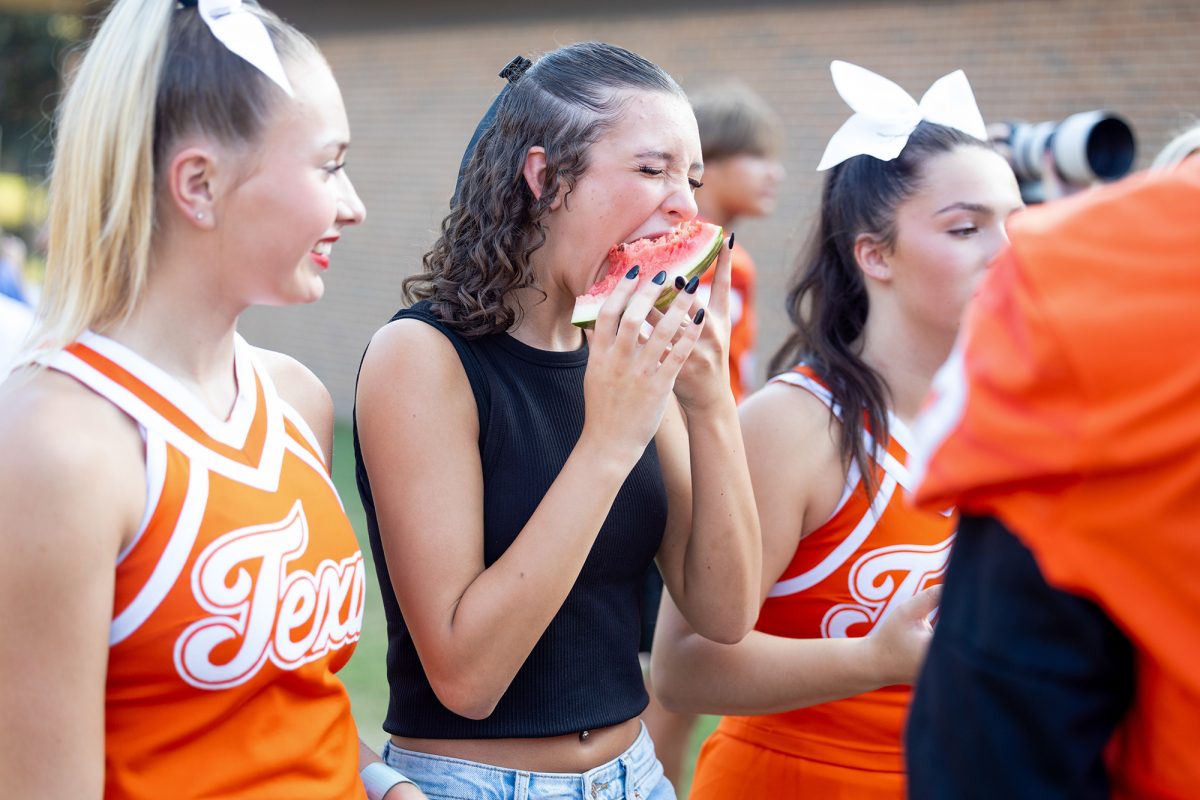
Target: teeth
[[323, 248]]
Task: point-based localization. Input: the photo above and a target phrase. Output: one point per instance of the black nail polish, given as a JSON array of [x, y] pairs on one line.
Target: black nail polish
[[692, 284], [731, 235], [679, 283], [633, 271], [660, 278], [699, 317]]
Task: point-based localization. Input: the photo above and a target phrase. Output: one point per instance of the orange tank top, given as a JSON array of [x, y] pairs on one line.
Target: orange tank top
[[845, 577], [239, 598]]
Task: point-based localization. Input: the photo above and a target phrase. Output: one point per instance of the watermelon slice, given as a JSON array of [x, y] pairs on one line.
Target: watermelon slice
[[684, 252]]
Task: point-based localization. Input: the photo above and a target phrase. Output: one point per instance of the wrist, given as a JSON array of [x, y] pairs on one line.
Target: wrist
[[608, 454], [378, 779]]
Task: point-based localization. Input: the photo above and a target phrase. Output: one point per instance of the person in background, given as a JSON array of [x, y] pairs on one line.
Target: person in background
[[914, 206], [741, 137], [12, 268], [1180, 147], [180, 583], [1066, 430]]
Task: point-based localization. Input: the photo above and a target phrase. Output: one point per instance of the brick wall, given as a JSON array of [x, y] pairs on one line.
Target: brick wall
[[415, 91]]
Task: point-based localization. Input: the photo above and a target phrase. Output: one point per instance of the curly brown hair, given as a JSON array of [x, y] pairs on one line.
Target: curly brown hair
[[564, 103]]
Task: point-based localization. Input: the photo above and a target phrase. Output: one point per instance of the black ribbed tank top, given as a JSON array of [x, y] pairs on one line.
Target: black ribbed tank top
[[583, 673]]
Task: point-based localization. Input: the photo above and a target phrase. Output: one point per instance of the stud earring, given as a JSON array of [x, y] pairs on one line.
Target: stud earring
[[199, 215]]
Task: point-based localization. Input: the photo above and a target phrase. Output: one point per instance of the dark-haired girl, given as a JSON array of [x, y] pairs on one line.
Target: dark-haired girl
[[519, 479], [816, 695]]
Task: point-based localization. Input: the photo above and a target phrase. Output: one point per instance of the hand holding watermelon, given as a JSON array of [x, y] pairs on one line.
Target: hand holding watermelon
[[630, 376], [703, 382]]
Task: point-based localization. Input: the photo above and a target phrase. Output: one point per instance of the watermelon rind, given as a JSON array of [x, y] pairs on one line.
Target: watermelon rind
[[584, 314]]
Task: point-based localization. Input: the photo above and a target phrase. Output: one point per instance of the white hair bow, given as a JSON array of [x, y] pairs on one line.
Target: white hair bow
[[885, 115], [244, 34]]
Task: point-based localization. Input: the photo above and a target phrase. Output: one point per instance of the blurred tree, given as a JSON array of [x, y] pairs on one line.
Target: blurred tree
[[32, 49]]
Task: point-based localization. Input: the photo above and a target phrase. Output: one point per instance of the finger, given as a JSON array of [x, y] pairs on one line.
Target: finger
[[682, 348], [637, 310], [668, 328], [926, 602], [718, 302], [614, 305]]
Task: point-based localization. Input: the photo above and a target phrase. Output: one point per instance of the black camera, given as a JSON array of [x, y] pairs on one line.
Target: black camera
[[1087, 147]]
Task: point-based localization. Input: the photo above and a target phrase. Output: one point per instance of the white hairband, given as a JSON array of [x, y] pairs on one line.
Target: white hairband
[[245, 35], [885, 115]]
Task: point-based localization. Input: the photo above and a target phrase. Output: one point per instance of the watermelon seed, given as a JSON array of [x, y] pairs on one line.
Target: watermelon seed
[[731, 235]]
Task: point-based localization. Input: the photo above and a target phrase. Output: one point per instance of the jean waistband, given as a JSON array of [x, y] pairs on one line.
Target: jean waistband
[[630, 776]]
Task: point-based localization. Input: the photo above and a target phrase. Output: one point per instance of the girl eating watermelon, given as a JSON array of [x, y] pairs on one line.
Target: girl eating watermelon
[[520, 475]]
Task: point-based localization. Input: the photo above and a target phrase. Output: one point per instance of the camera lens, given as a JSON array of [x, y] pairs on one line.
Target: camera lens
[[1093, 145]]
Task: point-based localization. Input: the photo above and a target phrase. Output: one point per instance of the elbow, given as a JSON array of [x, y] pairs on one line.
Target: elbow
[[727, 626], [672, 690], [464, 696]]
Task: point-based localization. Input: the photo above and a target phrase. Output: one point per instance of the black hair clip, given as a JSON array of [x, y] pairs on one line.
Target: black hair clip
[[515, 69]]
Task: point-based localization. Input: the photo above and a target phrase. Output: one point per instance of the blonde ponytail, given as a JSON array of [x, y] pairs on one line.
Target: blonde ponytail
[[101, 215]]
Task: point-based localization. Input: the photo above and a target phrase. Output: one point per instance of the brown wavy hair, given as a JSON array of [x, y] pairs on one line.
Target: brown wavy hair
[[828, 302], [564, 103]]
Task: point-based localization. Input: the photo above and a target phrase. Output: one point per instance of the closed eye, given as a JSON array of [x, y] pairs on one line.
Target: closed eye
[[650, 170], [964, 232], [695, 184]]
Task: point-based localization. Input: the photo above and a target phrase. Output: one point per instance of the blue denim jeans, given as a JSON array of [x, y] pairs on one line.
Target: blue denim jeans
[[636, 774]]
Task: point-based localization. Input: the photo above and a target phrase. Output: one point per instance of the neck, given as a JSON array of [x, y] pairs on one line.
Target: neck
[[545, 322], [906, 355], [185, 327]]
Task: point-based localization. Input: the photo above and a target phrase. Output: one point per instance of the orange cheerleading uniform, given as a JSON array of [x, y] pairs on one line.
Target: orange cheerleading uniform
[[239, 598], [845, 577], [1071, 413], [743, 321]]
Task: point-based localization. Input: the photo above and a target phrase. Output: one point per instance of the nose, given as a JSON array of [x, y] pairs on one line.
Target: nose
[[680, 204], [351, 210]]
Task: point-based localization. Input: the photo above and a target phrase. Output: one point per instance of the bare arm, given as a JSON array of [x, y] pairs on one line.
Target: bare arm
[[474, 627], [711, 555], [797, 477], [72, 489]]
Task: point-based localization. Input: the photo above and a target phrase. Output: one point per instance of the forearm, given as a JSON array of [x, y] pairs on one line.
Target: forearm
[[721, 566], [762, 674], [505, 610]]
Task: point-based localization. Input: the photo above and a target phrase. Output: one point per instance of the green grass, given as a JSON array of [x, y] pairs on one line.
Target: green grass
[[366, 674]]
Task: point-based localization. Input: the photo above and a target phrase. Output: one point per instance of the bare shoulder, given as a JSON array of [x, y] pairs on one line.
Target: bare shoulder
[[783, 416], [297, 384], [73, 463], [408, 360], [300, 388], [792, 447]]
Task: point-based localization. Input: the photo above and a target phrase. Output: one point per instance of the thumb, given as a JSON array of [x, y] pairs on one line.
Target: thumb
[[925, 602]]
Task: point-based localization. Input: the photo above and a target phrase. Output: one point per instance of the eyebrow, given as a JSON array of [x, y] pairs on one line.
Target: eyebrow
[[667, 157], [978, 208]]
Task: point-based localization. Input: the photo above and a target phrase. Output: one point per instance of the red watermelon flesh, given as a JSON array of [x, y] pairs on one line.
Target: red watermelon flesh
[[684, 252]]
